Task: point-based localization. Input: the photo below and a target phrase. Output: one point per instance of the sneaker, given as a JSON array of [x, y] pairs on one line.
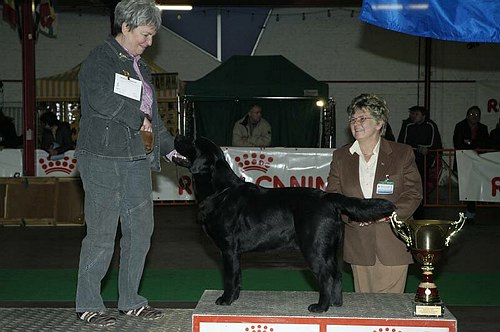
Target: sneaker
[[470, 217], [96, 318], [145, 312]]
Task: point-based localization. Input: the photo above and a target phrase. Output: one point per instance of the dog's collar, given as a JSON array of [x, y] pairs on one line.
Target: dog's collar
[[219, 193]]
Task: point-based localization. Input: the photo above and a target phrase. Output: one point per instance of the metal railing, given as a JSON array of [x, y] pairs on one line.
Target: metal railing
[[441, 181]]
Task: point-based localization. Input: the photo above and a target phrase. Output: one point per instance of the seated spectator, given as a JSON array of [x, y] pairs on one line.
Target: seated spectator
[[252, 129], [495, 137], [8, 135], [470, 134], [56, 136]]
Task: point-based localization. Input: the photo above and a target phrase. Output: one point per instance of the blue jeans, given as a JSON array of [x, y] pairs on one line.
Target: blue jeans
[[114, 190]]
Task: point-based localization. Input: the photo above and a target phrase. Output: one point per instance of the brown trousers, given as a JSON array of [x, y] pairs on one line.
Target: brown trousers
[[379, 278]]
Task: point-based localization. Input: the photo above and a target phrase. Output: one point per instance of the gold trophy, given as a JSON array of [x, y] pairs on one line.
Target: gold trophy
[[427, 240]]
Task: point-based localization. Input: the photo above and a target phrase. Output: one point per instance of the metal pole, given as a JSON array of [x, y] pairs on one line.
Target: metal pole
[[29, 103], [219, 35], [428, 57]]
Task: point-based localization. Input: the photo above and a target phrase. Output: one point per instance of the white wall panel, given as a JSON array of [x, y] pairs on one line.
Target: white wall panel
[[336, 48]]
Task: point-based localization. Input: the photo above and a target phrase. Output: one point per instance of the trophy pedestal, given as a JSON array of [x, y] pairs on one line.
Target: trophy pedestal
[[286, 311], [427, 239], [428, 309], [427, 301]]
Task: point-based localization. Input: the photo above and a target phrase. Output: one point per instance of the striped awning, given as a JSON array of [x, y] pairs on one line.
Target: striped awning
[[64, 87], [60, 87]]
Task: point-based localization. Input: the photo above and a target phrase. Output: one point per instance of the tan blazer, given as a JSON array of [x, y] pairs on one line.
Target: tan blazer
[[261, 134], [361, 244]]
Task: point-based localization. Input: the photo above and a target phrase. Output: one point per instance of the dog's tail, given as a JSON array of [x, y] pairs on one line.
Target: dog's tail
[[363, 210]]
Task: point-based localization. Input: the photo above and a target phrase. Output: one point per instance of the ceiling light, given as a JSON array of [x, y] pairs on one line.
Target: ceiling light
[[174, 7]]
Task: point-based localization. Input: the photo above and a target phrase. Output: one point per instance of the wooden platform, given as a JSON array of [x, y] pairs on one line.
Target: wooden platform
[[41, 201], [263, 311]]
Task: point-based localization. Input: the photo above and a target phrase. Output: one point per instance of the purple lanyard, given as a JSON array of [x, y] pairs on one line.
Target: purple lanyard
[[147, 92]]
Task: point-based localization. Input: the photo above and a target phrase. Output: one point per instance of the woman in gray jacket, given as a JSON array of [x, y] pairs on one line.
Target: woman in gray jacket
[[118, 102]]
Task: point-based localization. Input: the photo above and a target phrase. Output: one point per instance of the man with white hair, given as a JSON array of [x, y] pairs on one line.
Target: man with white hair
[[252, 129]]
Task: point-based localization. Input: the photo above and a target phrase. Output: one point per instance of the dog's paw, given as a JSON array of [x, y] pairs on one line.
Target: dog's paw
[[223, 301], [336, 304], [315, 307]]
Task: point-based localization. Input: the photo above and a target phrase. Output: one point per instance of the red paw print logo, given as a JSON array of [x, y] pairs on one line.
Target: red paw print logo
[[387, 329], [254, 162], [65, 165], [259, 328]]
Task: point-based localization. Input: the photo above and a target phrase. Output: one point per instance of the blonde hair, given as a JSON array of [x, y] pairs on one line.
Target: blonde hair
[[375, 105]]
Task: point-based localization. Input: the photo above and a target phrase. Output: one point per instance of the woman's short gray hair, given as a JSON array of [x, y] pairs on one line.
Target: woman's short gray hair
[[136, 13], [375, 105]]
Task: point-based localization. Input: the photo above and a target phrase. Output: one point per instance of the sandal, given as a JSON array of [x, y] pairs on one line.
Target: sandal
[[145, 312], [96, 318]]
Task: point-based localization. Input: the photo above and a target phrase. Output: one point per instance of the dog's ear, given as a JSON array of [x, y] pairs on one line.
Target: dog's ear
[[185, 146], [207, 146]]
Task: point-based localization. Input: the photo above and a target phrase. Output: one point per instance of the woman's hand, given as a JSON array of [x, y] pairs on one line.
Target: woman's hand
[[367, 223], [146, 125]]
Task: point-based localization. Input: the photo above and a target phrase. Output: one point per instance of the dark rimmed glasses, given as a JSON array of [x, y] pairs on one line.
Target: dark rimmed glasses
[[359, 119]]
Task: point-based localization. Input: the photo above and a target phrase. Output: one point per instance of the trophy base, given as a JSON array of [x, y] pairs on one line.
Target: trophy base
[[428, 309]]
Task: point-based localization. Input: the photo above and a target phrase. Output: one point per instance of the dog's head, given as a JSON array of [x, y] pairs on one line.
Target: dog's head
[[202, 153], [185, 146]]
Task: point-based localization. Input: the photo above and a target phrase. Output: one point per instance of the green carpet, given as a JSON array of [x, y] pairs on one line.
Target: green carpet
[[468, 289]]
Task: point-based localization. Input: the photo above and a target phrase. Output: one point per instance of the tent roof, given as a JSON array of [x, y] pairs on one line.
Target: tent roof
[[60, 87], [249, 77], [64, 86]]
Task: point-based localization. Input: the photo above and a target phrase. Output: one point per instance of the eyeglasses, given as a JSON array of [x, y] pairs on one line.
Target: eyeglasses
[[359, 119], [473, 114]]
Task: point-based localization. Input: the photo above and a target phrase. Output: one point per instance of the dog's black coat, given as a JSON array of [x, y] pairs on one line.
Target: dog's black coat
[[241, 217]]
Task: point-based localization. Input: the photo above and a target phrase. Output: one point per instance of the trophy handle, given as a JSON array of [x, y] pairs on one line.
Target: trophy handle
[[401, 228], [455, 227]]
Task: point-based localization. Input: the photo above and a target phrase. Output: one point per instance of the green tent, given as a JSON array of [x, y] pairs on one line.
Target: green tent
[[287, 94]]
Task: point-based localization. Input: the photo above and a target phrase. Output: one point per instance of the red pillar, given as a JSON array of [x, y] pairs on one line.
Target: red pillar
[[29, 106]]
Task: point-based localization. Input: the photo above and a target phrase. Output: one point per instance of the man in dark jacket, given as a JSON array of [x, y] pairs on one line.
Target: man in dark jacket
[[8, 135], [470, 134], [423, 135]]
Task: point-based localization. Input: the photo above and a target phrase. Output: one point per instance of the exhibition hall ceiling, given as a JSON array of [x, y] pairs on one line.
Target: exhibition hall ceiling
[[70, 5]]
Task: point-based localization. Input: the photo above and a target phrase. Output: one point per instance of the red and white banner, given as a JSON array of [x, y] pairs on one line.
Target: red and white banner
[[268, 167], [281, 167], [488, 100], [478, 176], [315, 327], [60, 165], [11, 162]]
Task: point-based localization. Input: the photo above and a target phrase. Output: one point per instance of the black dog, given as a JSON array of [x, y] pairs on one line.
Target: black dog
[[241, 217]]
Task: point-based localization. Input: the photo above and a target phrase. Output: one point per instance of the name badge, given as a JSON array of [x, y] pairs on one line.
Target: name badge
[[385, 188], [128, 87]]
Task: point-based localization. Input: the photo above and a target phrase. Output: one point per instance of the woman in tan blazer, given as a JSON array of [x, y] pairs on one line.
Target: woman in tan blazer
[[373, 167]]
